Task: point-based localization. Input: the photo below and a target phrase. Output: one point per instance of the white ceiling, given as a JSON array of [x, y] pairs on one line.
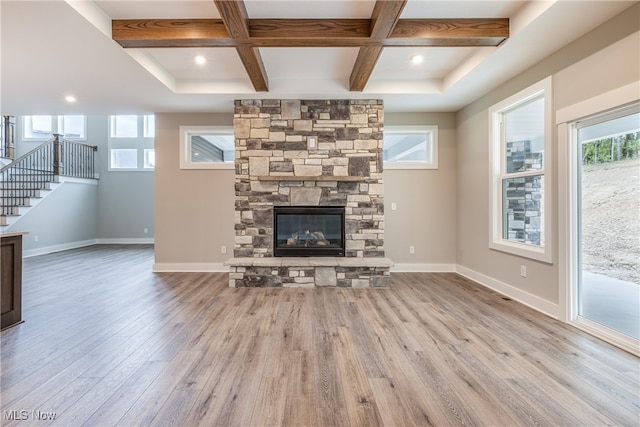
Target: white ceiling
[[54, 48]]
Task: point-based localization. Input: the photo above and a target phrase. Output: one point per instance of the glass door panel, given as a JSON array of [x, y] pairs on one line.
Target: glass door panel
[[608, 220]]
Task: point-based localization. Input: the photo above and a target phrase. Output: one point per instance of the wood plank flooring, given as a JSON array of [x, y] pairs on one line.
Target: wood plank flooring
[[106, 342]]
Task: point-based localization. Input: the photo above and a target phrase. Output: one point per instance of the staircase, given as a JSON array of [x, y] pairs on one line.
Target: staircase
[[31, 177]]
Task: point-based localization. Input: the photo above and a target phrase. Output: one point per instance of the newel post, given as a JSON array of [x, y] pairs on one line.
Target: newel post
[[57, 155]]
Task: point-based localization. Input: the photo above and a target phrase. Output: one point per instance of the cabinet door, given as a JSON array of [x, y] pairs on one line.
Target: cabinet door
[[11, 281]]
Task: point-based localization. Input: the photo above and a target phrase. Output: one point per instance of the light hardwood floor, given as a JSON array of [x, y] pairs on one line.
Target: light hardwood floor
[[106, 342]]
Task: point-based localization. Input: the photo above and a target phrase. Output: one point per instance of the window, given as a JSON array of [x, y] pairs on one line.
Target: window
[[410, 147], [206, 147], [520, 138], [44, 127], [124, 158], [73, 127], [149, 126], [149, 158], [131, 140], [124, 127]]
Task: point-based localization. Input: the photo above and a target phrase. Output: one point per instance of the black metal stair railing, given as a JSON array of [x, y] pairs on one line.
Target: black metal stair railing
[[34, 171]]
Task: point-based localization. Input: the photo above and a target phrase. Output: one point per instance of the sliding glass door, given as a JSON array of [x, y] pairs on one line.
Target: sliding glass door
[[608, 222]]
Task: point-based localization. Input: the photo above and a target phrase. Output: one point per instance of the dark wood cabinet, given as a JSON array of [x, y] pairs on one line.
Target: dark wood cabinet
[[11, 279]]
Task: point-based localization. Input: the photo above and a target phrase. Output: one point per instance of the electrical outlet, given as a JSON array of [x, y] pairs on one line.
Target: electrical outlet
[[35, 239], [523, 270], [312, 142], [146, 230], [412, 249], [394, 206], [223, 249]]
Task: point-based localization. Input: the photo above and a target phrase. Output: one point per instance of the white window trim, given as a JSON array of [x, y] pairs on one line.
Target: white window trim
[[433, 130], [496, 161], [186, 132]]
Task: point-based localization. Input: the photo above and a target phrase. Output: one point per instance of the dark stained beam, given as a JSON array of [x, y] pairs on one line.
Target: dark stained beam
[[235, 18], [449, 32], [384, 29], [309, 32], [384, 18], [143, 33]]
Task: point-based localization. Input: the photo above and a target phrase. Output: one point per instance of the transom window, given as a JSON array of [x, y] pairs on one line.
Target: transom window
[[206, 147], [410, 147]]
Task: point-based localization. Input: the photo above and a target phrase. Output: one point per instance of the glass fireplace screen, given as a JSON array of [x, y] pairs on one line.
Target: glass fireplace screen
[[309, 231]]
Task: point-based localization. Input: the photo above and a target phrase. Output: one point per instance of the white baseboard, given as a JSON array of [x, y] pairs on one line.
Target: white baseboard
[[81, 244], [189, 267], [126, 241], [423, 268], [57, 248], [537, 303]]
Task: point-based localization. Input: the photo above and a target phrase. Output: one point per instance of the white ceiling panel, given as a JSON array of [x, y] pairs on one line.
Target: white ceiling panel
[[300, 9], [153, 9], [309, 63], [460, 9], [438, 62], [221, 63]]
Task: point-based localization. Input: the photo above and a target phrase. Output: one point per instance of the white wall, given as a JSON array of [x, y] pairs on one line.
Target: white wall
[[64, 219]]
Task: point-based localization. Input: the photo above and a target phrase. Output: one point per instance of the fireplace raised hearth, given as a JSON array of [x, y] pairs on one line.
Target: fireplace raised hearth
[[302, 231]]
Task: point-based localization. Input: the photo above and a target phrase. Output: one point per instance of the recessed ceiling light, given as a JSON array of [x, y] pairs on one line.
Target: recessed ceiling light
[[200, 59], [417, 59], [70, 98]]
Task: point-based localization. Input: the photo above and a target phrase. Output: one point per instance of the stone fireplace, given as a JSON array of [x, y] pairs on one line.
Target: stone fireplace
[[321, 155]]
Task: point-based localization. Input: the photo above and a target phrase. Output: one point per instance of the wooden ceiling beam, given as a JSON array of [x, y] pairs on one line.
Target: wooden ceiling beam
[[143, 33], [449, 32], [384, 18], [235, 18], [305, 32], [235, 29]]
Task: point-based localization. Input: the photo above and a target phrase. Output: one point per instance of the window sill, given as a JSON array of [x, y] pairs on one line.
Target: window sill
[[542, 254], [130, 170], [410, 165], [221, 166]]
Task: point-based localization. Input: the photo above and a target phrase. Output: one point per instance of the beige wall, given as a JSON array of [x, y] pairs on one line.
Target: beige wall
[[603, 60], [194, 208], [426, 202]]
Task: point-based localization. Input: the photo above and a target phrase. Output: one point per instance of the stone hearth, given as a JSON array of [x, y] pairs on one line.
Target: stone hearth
[[309, 153]]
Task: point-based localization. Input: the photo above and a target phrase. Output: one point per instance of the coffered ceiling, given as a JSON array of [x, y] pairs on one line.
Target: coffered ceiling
[[138, 56]]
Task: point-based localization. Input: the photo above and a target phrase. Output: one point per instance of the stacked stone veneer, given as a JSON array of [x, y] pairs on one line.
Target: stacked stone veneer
[[309, 153], [524, 194]]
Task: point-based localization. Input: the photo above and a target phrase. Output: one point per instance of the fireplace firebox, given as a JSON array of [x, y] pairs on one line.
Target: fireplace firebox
[[308, 231]]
